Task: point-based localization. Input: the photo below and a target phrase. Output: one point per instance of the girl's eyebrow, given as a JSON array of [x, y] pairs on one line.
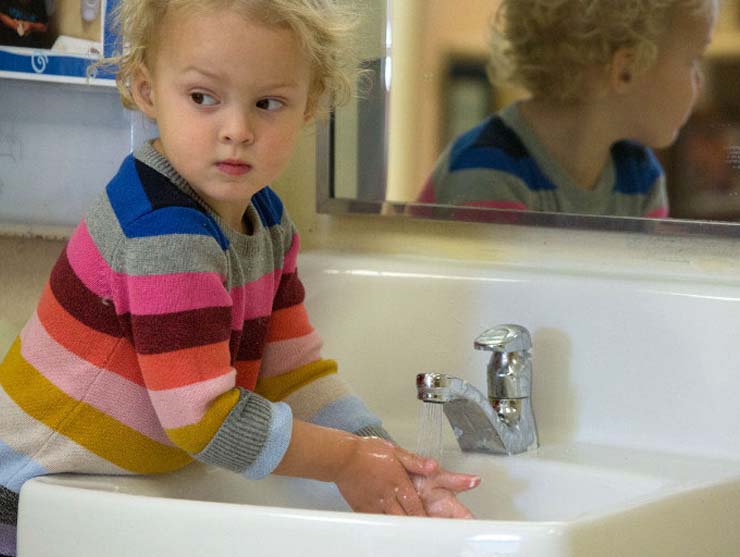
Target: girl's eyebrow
[[287, 84], [201, 71], [281, 85]]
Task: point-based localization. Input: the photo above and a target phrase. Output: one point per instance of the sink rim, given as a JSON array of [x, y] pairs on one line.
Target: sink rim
[[692, 479]]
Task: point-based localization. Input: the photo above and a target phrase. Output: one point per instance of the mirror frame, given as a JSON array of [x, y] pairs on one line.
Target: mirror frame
[[326, 203]]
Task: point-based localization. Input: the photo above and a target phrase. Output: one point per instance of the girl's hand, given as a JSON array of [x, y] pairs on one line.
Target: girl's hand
[[376, 478], [438, 493]]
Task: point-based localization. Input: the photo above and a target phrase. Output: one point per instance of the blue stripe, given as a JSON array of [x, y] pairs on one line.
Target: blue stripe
[[526, 169], [126, 193], [466, 141], [17, 468], [637, 168], [494, 146], [174, 212], [268, 206], [348, 413]]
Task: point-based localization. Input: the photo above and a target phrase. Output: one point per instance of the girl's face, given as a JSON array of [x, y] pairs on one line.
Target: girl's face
[[229, 98], [663, 97]]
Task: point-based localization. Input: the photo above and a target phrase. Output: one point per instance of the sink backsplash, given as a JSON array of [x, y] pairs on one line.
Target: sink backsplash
[[618, 360]]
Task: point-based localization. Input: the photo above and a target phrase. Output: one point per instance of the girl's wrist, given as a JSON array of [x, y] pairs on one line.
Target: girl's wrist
[[317, 452]]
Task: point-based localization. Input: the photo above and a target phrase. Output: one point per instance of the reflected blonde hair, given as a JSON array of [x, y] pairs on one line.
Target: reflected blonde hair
[[322, 28], [547, 46]]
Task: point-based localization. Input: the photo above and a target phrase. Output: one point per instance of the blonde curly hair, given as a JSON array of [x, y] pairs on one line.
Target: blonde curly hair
[[322, 28], [546, 46]]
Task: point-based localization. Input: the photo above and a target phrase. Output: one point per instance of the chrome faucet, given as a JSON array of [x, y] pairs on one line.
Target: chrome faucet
[[504, 422]]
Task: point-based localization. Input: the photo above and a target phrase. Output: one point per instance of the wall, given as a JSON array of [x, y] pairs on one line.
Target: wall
[[24, 267]]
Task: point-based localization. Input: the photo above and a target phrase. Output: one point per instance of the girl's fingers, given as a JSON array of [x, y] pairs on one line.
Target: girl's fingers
[[415, 464], [410, 501], [449, 507], [456, 482], [393, 507]]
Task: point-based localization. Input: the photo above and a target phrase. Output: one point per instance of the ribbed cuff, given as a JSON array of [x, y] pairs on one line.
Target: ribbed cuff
[[8, 506], [254, 436], [7, 539], [278, 439], [374, 431]]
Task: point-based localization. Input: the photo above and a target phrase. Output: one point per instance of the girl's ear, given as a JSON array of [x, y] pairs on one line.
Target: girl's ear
[[621, 69], [141, 90]]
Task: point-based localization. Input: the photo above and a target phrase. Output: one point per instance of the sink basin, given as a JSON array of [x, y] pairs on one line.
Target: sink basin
[[629, 464], [556, 501]]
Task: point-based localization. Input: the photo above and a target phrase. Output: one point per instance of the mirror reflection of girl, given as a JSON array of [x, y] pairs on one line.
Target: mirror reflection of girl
[[173, 327], [608, 81], [23, 23]]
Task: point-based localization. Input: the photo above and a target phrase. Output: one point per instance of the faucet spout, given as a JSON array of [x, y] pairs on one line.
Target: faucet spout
[[501, 427]]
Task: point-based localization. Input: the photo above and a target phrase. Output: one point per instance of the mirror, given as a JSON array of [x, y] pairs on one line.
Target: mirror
[[427, 62]]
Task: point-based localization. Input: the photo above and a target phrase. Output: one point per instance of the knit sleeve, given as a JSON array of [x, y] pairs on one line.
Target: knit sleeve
[[293, 370], [173, 304]]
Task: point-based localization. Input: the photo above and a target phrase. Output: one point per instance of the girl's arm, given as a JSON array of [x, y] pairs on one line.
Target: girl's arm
[[293, 371]]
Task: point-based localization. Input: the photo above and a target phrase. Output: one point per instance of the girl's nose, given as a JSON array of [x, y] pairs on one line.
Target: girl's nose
[[238, 129]]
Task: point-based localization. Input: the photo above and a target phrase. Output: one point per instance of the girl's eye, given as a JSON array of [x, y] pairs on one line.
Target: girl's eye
[[203, 99], [270, 104]]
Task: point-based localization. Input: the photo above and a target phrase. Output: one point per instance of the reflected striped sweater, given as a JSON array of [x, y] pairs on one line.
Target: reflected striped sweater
[[502, 164], [164, 336]]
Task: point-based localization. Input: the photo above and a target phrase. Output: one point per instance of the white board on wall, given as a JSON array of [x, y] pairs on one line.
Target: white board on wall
[[59, 146]]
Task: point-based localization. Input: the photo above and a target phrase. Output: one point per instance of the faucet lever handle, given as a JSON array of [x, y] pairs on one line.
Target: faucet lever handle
[[504, 338]]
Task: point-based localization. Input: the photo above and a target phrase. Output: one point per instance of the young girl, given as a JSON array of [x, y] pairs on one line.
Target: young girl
[[172, 327], [608, 81]]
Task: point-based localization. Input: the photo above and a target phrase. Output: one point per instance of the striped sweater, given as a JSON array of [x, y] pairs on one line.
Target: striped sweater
[[164, 336], [501, 164]]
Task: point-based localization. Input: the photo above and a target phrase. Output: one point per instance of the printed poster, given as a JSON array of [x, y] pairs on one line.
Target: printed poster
[[55, 40]]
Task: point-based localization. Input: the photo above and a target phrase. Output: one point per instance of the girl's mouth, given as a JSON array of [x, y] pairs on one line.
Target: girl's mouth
[[233, 167]]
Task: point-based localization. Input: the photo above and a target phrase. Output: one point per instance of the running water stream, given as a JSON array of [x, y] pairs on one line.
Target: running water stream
[[429, 435]]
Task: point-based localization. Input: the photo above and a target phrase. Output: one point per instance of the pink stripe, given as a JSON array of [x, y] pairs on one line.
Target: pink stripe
[[291, 257], [285, 355], [106, 391], [161, 294], [154, 294], [255, 298], [659, 213], [493, 204], [427, 194], [187, 405], [86, 261]]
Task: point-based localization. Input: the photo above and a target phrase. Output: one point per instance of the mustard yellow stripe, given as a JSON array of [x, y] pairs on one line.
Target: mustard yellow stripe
[[82, 423], [194, 437], [280, 386]]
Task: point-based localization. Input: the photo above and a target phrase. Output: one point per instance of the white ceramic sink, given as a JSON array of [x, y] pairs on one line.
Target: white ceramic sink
[[637, 424]]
